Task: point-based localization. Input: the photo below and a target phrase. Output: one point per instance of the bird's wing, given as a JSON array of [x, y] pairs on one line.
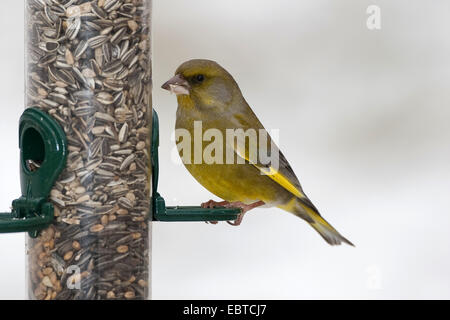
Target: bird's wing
[[283, 175]]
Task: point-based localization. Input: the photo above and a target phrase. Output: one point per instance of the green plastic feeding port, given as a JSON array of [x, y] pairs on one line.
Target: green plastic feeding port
[[180, 213], [43, 153]]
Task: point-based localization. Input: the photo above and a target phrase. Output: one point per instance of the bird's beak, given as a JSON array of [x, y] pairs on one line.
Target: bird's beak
[[177, 85]]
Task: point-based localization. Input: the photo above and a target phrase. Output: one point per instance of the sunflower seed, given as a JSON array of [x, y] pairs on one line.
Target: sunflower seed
[[123, 133], [81, 49], [105, 98], [113, 67], [73, 27], [98, 41], [50, 46], [118, 36], [126, 163], [111, 5]]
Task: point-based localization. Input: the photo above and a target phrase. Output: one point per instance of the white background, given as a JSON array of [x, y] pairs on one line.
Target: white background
[[364, 119]]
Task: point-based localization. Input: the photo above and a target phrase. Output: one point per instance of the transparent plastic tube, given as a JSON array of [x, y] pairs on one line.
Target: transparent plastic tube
[[88, 65]]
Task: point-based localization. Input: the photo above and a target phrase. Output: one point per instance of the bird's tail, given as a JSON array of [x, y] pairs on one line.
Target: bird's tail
[[303, 208]]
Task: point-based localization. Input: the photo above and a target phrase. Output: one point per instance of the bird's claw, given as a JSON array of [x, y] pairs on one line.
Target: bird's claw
[[211, 204], [236, 222], [244, 208]]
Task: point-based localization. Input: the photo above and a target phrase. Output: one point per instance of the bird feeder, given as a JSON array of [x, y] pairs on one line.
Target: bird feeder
[[88, 143]]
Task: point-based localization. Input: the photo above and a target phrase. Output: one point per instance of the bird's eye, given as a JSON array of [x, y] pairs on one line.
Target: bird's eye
[[200, 78]]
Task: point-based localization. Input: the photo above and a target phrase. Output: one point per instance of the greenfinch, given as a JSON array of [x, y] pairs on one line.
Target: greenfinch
[[210, 99]]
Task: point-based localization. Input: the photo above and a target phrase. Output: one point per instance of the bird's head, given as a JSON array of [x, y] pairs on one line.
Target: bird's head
[[204, 81]]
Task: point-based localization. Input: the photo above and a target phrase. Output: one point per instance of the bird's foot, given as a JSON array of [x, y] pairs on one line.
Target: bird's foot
[[244, 208], [211, 204], [238, 221]]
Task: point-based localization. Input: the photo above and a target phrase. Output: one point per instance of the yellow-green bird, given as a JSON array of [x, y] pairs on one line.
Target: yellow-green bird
[[209, 95]]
